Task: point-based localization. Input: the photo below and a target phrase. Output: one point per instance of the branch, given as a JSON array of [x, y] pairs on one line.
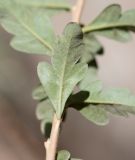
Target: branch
[[51, 143], [77, 11]]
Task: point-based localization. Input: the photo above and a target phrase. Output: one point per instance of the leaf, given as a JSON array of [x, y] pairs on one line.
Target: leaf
[[60, 78], [44, 112], [95, 114], [63, 155], [113, 96], [113, 24], [96, 102], [32, 29], [50, 7], [92, 48], [39, 93], [100, 100]]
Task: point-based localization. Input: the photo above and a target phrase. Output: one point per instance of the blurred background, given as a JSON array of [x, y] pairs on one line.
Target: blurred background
[[20, 137]]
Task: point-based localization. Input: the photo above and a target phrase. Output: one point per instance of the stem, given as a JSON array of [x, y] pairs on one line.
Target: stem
[[51, 143], [77, 11]]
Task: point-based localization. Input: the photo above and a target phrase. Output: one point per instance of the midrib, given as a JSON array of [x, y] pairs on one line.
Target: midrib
[[42, 41], [61, 87]]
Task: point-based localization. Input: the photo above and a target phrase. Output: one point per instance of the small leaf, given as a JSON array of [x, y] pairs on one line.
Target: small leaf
[[39, 93], [96, 102], [92, 47], [95, 114], [63, 155], [113, 24], [44, 112], [60, 78], [51, 7], [32, 29]]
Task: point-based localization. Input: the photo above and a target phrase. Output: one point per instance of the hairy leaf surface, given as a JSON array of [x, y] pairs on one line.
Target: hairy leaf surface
[[60, 78]]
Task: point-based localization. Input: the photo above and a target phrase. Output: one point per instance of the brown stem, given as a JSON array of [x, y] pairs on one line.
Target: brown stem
[[77, 11], [51, 143]]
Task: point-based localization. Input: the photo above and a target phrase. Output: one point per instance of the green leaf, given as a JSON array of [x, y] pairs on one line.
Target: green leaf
[[63, 155], [113, 24], [60, 78], [100, 100], [50, 7], [115, 97], [32, 29], [39, 93], [44, 112], [92, 47], [94, 102], [95, 114]]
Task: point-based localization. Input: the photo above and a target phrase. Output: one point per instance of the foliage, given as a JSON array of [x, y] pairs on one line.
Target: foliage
[[72, 56]]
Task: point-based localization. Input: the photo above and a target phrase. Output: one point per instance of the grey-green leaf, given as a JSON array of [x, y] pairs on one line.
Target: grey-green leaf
[[39, 93], [116, 101], [113, 96], [113, 24], [95, 114], [32, 29], [92, 47], [49, 5], [60, 78], [96, 102], [63, 155], [44, 112]]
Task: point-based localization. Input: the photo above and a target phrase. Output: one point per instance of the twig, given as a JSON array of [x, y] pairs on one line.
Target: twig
[[51, 143], [77, 11]]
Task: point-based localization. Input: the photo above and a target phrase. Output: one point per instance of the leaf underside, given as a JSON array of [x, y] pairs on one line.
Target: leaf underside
[[99, 101], [110, 23], [60, 78], [30, 25]]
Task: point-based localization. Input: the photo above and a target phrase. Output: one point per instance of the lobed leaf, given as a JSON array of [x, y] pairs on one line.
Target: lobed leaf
[[92, 48], [44, 112], [50, 6], [96, 102], [113, 24], [60, 78], [32, 29], [39, 93], [95, 114]]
